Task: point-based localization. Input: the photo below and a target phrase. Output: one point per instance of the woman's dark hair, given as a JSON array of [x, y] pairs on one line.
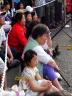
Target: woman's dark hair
[[17, 18], [39, 30], [33, 13], [28, 57]]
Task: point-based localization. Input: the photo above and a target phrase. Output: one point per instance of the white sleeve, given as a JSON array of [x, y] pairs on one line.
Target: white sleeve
[[43, 57], [3, 35], [45, 46]]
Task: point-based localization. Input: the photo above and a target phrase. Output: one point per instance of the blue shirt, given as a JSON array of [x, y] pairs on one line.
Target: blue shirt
[[16, 1]]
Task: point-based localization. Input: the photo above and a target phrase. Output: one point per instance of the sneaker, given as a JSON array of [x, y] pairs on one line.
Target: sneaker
[[56, 51], [58, 76]]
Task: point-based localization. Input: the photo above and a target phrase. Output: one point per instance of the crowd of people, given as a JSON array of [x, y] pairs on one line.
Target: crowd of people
[[29, 41]]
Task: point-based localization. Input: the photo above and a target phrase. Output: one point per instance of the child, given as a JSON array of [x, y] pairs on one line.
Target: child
[[31, 80]]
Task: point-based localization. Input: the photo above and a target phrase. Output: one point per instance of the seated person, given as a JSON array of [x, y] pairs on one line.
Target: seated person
[[40, 33], [8, 16], [3, 41], [31, 81], [16, 37], [2, 54]]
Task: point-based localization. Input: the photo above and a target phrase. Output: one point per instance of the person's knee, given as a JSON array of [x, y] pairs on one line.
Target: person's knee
[[46, 82]]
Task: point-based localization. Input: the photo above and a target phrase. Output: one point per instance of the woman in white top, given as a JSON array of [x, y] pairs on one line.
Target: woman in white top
[[3, 41]]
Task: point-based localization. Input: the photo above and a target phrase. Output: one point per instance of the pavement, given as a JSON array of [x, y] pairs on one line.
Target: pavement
[[64, 40]]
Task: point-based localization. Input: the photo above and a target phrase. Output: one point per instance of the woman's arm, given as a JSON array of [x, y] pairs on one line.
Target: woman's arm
[[10, 59], [10, 55], [45, 58]]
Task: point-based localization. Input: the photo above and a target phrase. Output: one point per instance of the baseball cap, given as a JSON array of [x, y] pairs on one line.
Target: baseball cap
[[29, 8]]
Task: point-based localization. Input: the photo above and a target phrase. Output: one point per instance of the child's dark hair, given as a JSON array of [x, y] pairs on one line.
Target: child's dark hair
[[28, 57], [39, 30]]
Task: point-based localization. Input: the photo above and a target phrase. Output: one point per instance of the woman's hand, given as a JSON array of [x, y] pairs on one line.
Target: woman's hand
[[10, 60]]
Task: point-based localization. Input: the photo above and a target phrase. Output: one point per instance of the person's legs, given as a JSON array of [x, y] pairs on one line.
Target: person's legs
[[50, 87], [49, 73], [57, 84]]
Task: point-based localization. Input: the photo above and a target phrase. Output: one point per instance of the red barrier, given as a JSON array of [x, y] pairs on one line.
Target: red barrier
[[68, 6]]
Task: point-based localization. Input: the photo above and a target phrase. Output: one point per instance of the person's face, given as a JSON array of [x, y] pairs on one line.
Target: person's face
[[8, 6], [35, 18], [34, 61], [42, 39], [2, 20], [29, 17], [23, 20], [21, 6]]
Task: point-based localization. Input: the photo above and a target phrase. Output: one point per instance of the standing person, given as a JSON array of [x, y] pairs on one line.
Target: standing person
[[16, 38], [33, 83], [31, 80], [40, 33]]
